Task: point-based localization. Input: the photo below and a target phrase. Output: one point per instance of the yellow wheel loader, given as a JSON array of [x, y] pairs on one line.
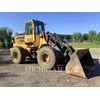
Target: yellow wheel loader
[[49, 50]]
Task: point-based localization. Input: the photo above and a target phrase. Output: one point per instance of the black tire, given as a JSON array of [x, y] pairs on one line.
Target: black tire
[[18, 55], [47, 57]]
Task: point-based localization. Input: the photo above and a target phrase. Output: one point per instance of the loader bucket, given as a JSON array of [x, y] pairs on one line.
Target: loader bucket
[[81, 64]]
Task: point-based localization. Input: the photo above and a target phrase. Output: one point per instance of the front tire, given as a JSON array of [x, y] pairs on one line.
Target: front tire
[[47, 57], [18, 55]]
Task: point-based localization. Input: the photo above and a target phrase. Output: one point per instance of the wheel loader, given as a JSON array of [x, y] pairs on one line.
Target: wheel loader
[[50, 50]]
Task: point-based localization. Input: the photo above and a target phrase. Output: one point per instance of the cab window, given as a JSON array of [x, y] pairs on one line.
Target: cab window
[[39, 27], [28, 29]]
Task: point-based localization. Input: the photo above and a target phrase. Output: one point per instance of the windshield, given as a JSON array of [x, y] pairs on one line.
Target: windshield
[[39, 27], [28, 28]]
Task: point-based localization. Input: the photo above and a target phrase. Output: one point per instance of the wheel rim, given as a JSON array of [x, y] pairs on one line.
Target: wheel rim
[[15, 55], [45, 58]]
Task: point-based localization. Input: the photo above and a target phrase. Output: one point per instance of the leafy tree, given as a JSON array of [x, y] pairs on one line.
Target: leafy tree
[[77, 36], [98, 38], [68, 37], [92, 35], [85, 36], [5, 36]]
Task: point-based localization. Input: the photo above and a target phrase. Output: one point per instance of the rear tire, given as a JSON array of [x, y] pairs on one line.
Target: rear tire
[[47, 57], [18, 55]]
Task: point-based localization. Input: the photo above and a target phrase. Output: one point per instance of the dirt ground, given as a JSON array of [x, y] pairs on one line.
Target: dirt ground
[[31, 75]]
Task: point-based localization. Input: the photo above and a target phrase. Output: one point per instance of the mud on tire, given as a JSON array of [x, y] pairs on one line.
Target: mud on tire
[[47, 57], [18, 55]]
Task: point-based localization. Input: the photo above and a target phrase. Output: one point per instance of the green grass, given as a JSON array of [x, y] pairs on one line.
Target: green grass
[[85, 45]]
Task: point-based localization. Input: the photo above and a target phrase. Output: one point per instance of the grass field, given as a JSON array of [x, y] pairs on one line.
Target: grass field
[[85, 45]]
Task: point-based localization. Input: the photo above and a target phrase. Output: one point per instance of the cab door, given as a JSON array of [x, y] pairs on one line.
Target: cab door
[[29, 33], [38, 31], [37, 35]]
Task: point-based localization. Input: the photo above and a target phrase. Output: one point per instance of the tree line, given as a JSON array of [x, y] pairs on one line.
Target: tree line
[[92, 36]]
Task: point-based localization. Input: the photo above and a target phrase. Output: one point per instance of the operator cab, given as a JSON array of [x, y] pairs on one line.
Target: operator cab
[[38, 27], [34, 25], [33, 29]]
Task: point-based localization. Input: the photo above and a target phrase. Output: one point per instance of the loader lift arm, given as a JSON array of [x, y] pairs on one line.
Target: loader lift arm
[[56, 42]]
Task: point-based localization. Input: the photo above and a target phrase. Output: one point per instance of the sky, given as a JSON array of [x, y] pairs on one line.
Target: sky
[[59, 22]]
